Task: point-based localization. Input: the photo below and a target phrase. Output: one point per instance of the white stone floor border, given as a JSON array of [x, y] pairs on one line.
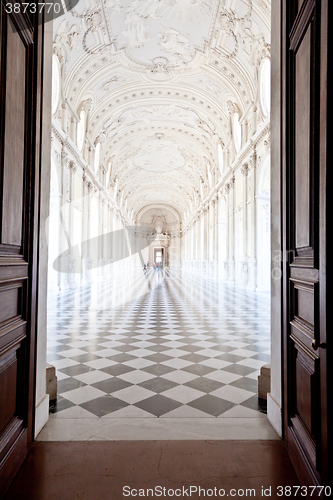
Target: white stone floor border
[[147, 429]]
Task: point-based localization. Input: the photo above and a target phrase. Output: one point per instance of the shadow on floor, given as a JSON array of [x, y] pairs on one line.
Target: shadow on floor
[[120, 469]]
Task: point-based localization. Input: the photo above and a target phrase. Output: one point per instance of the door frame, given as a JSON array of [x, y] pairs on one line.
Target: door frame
[[31, 31], [41, 397], [275, 397], [281, 231]]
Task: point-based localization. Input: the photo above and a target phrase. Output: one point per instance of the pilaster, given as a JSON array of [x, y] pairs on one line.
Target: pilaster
[[244, 276], [231, 216]]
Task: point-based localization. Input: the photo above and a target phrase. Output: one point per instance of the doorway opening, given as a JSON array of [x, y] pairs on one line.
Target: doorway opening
[[159, 257], [159, 177]]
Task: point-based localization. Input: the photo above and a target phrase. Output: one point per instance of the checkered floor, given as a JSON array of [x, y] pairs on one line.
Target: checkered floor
[[158, 345]]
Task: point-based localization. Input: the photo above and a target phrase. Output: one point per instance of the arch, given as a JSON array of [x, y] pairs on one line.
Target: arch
[[145, 209]]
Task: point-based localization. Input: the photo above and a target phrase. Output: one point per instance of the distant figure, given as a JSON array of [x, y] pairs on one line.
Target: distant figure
[[144, 268], [154, 266], [147, 265]]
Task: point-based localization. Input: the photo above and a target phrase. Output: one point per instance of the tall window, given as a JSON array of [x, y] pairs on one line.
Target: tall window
[[220, 154], [81, 130], [97, 157], [265, 86], [236, 132], [55, 83], [108, 175]]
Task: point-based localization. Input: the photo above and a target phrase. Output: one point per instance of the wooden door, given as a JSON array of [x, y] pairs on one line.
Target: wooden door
[[20, 93], [305, 149]]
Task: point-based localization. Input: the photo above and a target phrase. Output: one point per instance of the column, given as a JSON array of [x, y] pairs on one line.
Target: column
[[211, 237], [117, 243], [84, 226], [221, 234], [252, 232], [190, 236], [186, 250], [107, 238], [205, 240], [64, 116], [244, 278], [202, 244], [73, 263], [208, 236], [226, 159], [227, 233], [244, 132], [73, 125], [216, 234], [231, 210], [254, 120], [195, 244], [63, 236], [89, 259], [103, 236]]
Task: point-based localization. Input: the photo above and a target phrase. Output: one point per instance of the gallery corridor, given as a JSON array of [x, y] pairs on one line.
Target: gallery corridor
[[162, 344], [192, 135]]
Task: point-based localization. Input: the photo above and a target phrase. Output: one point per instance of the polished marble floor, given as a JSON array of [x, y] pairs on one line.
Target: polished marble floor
[[165, 344]]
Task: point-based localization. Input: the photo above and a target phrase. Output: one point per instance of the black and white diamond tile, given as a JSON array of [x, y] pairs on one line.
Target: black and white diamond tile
[[189, 347]]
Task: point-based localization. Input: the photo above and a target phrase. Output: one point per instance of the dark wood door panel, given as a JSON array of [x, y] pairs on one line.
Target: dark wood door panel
[[8, 383], [11, 408], [13, 458], [11, 296], [303, 294], [304, 91], [302, 141], [13, 161], [20, 94], [305, 397], [304, 421], [304, 299]]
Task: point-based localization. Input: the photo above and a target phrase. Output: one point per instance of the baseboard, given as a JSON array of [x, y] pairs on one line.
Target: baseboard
[[41, 414], [274, 414]]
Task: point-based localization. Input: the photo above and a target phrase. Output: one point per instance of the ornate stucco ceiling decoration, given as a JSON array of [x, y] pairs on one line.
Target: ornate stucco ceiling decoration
[[158, 196], [159, 156], [159, 75]]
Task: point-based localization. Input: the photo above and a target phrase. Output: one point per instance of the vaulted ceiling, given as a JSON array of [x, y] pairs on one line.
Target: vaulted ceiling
[[157, 79]]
